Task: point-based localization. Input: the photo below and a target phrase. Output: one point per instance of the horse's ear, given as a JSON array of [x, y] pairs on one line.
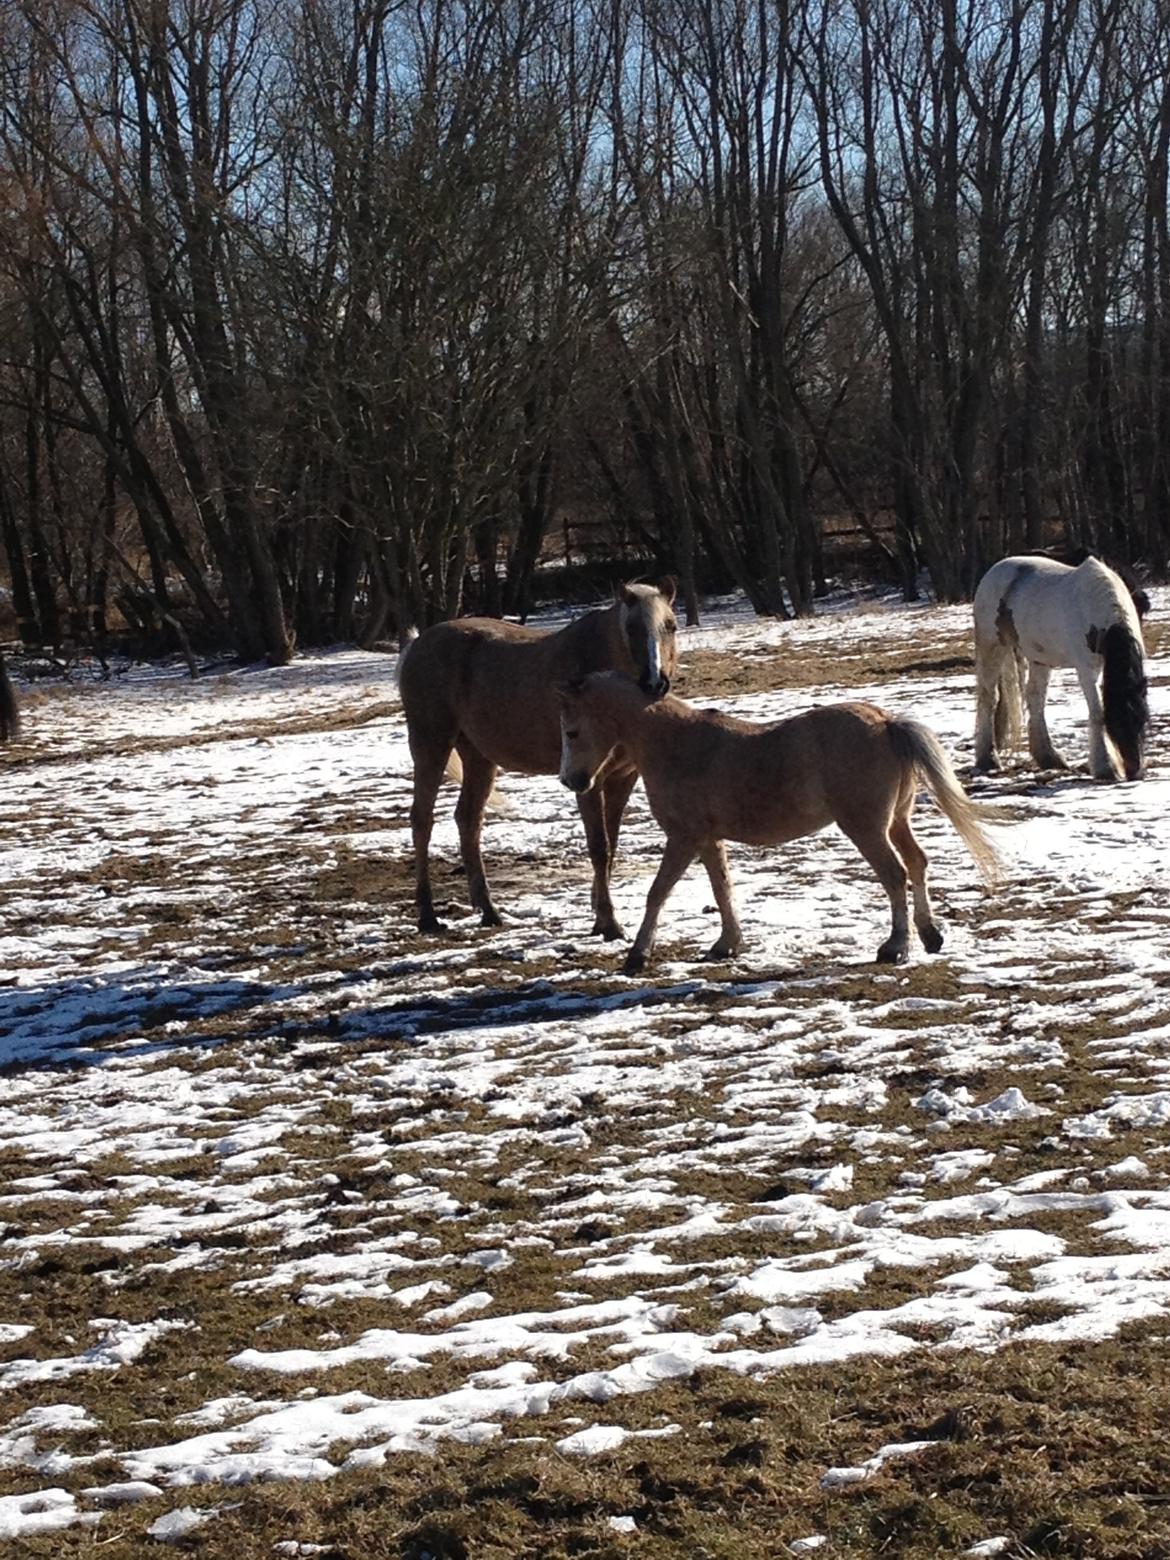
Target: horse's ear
[[623, 593], [668, 586], [570, 688]]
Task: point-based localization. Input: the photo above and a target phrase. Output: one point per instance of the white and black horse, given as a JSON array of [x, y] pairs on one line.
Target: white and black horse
[[1033, 614]]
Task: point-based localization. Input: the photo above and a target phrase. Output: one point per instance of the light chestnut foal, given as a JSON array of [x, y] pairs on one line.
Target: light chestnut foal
[[710, 778]]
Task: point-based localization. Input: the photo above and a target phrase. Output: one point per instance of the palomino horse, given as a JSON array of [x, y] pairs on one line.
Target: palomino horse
[[9, 714], [1033, 614], [711, 778], [488, 690]]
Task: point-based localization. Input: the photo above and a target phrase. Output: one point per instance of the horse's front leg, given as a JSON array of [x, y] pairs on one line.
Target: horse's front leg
[[1101, 764], [1044, 755], [714, 858], [591, 805], [676, 858], [479, 776]]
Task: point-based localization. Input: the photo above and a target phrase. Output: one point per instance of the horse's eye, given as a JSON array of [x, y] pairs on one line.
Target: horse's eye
[[572, 735], [671, 627]]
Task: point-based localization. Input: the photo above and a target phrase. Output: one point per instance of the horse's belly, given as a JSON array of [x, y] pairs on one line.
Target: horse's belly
[[774, 822], [1046, 650], [530, 747]]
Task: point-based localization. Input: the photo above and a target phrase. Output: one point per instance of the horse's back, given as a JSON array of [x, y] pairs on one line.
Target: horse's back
[[1049, 610], [766, 784]]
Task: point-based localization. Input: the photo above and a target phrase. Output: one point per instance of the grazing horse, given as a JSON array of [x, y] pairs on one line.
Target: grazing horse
[[1032, 614], [710, 778], [9, 714], [488, 690]]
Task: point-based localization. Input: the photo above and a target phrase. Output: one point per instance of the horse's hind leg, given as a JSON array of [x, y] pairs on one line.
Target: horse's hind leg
[[872, 841], [714, 858], [1101, 763], [1040, 745], [479, 776], [914, 859], [428, 775]]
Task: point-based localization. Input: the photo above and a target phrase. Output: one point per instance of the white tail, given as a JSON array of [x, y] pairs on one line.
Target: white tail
[[1008, 714]]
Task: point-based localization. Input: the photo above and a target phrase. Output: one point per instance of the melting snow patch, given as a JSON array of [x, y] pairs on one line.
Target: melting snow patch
[[175, 1526], [808, 1546], [836, 1478], [1011, 1105], [1127, 1111], [22, 1516], [18, 1443], [623, 1524], [607, 1438], [122, 1344], [124, 1494]]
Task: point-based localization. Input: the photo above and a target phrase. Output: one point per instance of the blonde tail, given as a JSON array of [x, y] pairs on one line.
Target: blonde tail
[[916, 744]]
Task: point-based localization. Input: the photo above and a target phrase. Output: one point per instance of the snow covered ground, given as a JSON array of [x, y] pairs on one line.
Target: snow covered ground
[[350, 1192]]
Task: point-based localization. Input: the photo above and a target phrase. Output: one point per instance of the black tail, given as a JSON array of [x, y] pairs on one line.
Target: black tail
[[9, 714], [1123, 693]]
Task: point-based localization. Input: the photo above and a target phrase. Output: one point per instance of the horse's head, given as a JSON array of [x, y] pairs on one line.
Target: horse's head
[[588, 736], [583, 751], [648, 628], [1124, 696]]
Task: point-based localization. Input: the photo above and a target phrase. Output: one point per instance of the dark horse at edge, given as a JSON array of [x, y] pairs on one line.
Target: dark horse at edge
[[487, 690], [9, 714]]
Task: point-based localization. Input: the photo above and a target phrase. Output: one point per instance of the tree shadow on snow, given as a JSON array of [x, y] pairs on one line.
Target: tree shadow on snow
[[97, 1018]]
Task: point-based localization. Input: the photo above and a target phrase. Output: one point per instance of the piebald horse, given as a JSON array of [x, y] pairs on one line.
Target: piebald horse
[[1033, 614], [710, 778], [488, 690], [9, 714]]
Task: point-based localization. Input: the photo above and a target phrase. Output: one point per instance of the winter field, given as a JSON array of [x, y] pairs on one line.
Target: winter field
[[321, 1237]]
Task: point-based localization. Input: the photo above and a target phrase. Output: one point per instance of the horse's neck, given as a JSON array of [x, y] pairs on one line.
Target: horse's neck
[[634, 723], [1104, 599]]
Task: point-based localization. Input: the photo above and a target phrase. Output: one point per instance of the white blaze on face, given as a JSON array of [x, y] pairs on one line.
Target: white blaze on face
[[637, 614], [653, 661]]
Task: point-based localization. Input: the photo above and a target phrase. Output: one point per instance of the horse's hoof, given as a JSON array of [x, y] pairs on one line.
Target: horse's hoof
[[609, 930], [635, 963], [431, 923], [986, 766], [891, 953], [721, 950], [932, 938], [491, 917]]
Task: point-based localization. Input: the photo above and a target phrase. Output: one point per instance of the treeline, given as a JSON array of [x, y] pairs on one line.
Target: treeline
[[317, 315]]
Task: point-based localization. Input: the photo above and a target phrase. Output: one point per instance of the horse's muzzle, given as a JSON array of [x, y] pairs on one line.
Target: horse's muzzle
[[656, 687], [578, 780]]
